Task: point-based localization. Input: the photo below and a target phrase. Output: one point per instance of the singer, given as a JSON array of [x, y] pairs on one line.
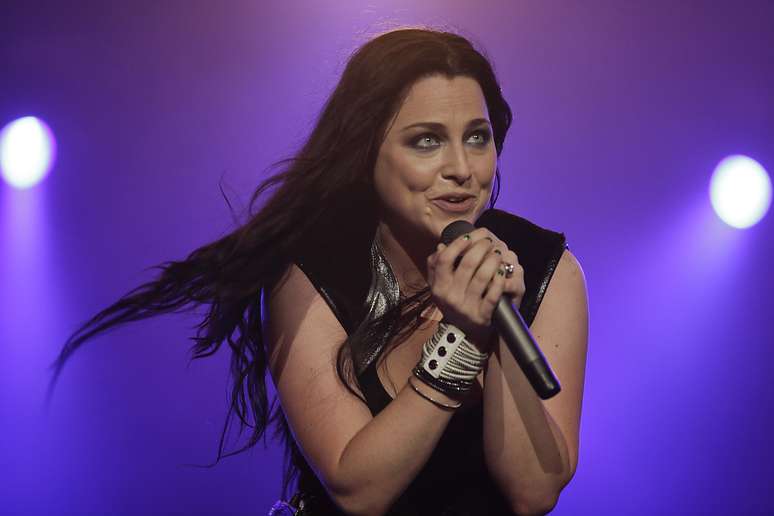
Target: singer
[[396, 393]]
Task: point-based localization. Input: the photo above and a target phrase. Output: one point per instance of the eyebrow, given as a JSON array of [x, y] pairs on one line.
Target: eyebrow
[[437, 126]]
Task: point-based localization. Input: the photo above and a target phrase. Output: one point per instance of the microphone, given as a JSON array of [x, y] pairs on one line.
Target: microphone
[[513, 330]]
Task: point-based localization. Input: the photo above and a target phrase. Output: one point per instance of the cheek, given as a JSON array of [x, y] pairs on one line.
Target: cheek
[[486, 176], [413, 175], [401, 181], [391, 189]]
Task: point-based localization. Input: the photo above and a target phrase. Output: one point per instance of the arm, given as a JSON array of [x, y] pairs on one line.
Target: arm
[[531, 445], [364, 462]]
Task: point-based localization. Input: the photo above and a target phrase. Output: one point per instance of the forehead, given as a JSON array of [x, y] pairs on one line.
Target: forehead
[[439, 99]]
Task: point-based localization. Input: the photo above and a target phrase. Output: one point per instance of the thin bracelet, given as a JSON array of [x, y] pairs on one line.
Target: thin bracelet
[[428, 398]]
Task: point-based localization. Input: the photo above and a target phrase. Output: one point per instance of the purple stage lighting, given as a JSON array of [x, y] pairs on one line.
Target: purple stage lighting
[[740, 191], [27, 152]]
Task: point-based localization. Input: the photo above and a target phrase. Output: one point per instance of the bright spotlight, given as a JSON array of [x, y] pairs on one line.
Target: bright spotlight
[[27, 151], [740, 191]]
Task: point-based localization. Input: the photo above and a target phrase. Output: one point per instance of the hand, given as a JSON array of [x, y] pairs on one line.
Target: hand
[[467, 295]]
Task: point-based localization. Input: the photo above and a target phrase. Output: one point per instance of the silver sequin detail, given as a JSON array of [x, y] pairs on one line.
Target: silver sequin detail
[[383, 294]]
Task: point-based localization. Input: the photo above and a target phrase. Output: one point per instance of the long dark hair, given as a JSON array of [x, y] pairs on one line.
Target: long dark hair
[[335, 163]]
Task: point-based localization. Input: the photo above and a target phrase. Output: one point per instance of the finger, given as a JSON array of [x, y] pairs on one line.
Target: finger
[[493, 293], [444, 262], [484, 299], [491, 297], [510, 257], [515, 282], [472, 260], [498, 246], [431, 259], [485, 234], [489, 267]]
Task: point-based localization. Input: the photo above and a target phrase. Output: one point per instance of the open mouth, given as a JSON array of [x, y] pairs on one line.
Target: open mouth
[[455, 206]]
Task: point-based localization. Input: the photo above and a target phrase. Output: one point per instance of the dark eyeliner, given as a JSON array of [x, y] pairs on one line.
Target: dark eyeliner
[[415, 140], [485, 137]]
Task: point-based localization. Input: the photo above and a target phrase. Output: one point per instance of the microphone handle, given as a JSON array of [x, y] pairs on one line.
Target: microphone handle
[[513, 330]]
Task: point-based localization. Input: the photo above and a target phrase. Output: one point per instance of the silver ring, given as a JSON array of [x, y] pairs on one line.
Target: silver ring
[[509, 267]]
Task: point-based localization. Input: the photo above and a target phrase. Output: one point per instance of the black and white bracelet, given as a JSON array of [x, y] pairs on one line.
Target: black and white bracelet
[[450, 363]]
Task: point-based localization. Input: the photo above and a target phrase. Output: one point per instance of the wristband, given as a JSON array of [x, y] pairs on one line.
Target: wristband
[[449, 363]]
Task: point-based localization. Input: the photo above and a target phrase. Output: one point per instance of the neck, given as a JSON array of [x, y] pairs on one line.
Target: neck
[[407, 255]]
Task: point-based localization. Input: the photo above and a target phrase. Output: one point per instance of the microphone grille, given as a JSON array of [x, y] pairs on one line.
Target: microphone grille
[[455, 229]]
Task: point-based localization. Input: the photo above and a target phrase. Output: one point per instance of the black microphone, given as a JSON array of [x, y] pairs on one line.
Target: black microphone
[[513, 330]]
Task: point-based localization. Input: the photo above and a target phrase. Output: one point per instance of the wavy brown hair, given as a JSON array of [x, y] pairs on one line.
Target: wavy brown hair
[[329, 179]]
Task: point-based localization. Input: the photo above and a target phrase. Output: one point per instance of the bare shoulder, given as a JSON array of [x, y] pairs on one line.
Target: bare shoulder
[[292, 304], [561, 330], [564, 307], [302, 337], [569, 275]]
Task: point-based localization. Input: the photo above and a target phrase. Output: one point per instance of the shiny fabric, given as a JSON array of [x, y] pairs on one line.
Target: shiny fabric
[[383, 294], [458, 457]]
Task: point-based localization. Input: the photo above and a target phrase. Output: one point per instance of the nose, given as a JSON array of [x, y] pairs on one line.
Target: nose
[[456, 164]]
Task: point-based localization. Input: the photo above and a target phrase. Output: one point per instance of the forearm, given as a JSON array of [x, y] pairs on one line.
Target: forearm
[[524, 448], [384, 457]]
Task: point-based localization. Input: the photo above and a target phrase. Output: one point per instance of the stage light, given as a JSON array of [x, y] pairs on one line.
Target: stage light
[[27, 152], [740, 191]]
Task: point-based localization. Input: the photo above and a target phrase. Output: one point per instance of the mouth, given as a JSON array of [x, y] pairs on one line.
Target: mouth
[[460, 206]]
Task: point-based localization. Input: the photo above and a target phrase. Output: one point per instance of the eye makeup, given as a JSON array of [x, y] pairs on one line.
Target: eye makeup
[[485, 135]]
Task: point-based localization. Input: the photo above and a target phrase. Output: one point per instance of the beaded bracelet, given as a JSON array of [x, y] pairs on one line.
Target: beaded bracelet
[[449, 363], [428, 398]]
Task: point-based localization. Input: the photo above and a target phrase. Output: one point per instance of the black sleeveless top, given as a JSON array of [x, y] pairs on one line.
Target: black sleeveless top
[[455, 480]]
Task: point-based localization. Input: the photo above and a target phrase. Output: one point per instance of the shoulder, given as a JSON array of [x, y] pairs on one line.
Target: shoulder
[[337, 265], [293, 293], [569, 274], [563, 311], [293, 305]]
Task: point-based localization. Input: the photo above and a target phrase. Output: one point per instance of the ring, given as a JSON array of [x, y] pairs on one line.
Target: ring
[[509, 267]]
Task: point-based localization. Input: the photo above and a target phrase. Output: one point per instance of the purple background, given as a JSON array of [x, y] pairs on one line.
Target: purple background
[[622, 110]]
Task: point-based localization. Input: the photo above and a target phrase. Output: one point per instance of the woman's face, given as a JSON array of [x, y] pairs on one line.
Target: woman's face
[[452, 151]]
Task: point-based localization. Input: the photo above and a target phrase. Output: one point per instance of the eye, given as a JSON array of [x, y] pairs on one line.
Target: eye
[[421, 141], [484, 137]]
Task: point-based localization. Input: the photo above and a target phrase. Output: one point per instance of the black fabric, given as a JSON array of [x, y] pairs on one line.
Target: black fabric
[[457, 461], [538, 250], [455, 480], [338, 262]]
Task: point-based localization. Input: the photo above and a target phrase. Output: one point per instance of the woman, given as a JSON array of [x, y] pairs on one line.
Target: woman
[[360, 303]]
